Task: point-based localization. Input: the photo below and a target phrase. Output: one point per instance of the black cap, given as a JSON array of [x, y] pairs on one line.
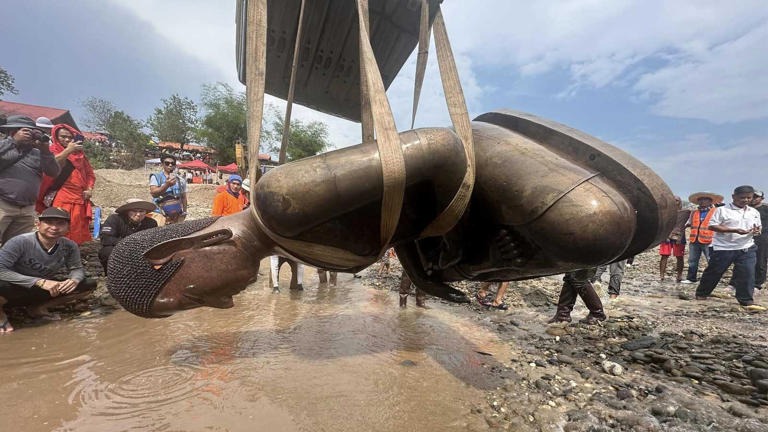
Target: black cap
[[54, 213]]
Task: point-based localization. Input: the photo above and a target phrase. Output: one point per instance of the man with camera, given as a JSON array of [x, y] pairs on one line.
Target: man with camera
[[24, 157], [169, 191]]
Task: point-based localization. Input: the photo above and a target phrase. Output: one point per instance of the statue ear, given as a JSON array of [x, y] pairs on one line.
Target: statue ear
[[163, 252]]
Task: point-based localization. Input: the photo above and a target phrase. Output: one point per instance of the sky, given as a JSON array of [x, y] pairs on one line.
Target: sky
[[681, 85]]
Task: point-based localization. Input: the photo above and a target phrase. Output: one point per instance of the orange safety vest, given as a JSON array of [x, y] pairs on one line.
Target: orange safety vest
[[699, 234]]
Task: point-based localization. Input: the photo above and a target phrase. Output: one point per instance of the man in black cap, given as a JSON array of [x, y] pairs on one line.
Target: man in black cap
[[30, 263], [24, 157], [129, 218]]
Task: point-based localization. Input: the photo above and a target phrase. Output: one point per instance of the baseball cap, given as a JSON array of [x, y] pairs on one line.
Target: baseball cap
[[54, 213]]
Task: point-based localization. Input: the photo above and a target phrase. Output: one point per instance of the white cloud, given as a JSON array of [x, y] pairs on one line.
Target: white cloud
[[203, 29], [726, 83], [701, 162], [703, 46], [705, 54]]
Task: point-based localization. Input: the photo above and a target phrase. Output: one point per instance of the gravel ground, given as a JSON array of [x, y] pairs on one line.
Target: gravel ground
[[660, 362]]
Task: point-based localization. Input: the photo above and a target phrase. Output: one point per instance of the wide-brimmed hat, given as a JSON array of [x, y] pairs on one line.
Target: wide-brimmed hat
[[694, 198], [54, 213], [136, 204], [19, 121], [247, 185]]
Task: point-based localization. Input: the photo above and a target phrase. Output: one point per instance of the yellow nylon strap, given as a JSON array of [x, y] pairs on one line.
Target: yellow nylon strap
[[291, 88], [390, 154], [366, 116], [421, 58], [255, 67], [328, 254], [457, 108], [388, 140]]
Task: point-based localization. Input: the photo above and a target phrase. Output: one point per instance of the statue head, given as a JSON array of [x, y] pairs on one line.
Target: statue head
[[157, 272]]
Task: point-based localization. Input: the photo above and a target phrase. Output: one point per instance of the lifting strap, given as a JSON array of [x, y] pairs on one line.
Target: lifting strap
[[421, 59], [255, 67], [387, 138], [291, 87], [457, 108]]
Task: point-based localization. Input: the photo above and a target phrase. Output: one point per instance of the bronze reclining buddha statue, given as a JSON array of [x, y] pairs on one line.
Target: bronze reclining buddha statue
[[545, 198]]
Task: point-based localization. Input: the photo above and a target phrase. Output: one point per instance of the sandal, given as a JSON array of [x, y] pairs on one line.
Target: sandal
[[482, 300], [500, 306]]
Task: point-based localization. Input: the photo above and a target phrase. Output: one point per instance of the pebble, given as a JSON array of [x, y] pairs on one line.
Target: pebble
[[663, 410], [756, 374], [624, 394], [762, 385], [740, 411], [408, 363], [702, 356], [732, 388], [556, 331], [612, 368], [562, 358], [639, 343]]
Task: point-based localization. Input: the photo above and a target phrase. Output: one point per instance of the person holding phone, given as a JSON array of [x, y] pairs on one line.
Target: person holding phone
[[169, 192], [72, 189], [735, 225]]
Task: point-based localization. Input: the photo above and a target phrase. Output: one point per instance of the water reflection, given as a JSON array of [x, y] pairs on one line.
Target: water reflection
[[328, 358]]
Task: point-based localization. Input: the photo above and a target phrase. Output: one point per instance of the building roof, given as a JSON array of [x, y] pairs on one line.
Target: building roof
[[187, 147], [57, 115], [94, 136]]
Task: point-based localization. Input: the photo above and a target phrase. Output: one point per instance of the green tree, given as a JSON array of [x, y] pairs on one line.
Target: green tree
[[127, 133], [6, 83], [224, 121], [175, 121], [306, 139], [98, 113]]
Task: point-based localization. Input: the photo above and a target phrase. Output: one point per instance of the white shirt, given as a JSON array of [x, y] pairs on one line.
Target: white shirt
[[733, 217]]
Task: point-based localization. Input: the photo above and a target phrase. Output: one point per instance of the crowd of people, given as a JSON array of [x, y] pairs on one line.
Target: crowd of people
[[46, 186], [46, 213]]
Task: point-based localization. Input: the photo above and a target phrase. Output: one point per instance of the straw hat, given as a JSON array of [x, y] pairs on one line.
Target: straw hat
[[136, 204], [694, 198]]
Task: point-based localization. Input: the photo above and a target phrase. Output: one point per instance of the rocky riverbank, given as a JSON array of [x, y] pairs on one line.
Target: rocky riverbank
[[660, 362]]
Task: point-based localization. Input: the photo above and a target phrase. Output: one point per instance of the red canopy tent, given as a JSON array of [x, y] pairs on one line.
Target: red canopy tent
[[229, 169], [196, 164]]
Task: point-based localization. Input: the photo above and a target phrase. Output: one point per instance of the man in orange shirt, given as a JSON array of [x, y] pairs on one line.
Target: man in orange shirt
[[230, 200]]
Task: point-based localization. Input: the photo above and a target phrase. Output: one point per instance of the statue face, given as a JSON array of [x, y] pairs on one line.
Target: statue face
[[208, 276]]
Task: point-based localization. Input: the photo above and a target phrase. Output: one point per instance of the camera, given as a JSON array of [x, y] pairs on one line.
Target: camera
[[39, 136], [79, 138]]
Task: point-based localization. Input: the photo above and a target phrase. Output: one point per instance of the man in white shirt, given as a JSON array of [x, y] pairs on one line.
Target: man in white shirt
[[734, 226]]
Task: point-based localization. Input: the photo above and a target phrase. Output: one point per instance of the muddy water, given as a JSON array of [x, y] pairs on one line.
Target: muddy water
[[336, 359]]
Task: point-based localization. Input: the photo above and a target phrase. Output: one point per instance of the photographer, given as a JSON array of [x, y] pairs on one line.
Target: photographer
[[24, 157], [169, 192]]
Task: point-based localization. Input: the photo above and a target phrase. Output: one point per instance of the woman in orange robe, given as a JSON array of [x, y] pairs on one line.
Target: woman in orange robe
[[75, 192]]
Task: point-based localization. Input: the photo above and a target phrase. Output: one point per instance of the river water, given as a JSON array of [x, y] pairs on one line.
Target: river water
[[342, 358]]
